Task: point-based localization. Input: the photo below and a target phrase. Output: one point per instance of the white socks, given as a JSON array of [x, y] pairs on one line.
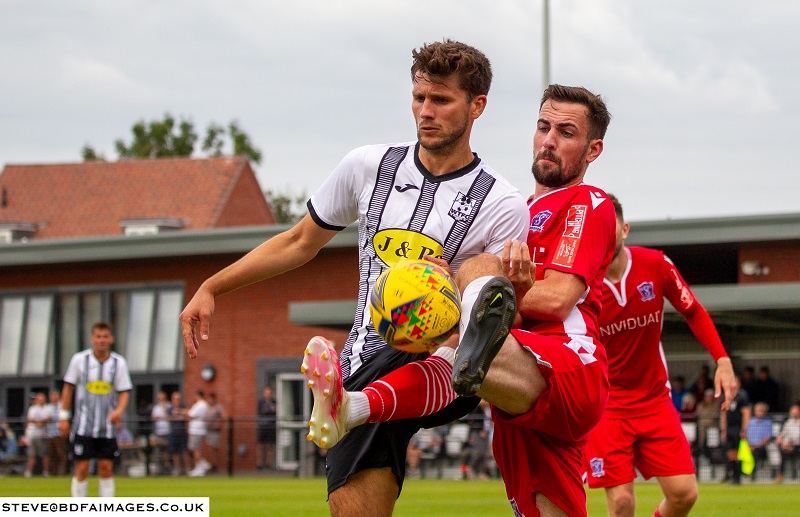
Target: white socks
[[357, 409], [468, 298], [446, 353], [79, 488], [106, 487]]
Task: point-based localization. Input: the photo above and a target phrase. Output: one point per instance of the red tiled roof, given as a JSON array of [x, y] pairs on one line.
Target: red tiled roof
[[91, 198]]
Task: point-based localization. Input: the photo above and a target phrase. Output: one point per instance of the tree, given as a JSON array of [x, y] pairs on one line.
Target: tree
[[242, 146], [286, 207], [162, 138], [88, 154]]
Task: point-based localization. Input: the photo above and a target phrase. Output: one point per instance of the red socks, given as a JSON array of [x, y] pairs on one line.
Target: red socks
[[416, 389]]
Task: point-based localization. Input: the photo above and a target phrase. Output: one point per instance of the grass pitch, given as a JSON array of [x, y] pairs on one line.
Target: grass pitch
[[278, 497]]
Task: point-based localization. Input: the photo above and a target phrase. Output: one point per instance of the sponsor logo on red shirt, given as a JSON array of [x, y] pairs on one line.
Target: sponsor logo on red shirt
[[568, 245]]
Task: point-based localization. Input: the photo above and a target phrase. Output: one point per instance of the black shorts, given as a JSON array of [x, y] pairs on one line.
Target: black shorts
[[87, 448], [178, 442], [267, 434], [384, 444]]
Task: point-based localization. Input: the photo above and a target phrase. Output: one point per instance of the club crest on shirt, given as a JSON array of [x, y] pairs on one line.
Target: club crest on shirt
[[462, 208], [538, 220], [596, 465], [647, 291]]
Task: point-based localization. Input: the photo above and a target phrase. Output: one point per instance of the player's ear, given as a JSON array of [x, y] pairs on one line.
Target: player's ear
[[595, 149], [477, 105]]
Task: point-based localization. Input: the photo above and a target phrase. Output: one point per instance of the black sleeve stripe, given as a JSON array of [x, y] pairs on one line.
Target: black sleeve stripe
[[319, 221]]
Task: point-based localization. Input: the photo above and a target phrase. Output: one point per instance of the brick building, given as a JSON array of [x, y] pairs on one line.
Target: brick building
[[130, 242]]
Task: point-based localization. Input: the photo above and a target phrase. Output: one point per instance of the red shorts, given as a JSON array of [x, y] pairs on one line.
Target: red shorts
[[655, 444], [541, 451]]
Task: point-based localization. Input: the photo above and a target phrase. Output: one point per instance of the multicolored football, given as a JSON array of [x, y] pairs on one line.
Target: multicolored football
[[415, 305]]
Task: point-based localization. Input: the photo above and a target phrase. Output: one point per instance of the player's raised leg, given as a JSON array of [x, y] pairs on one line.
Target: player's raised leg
[[417, 389], [324, 375], [488, 309]]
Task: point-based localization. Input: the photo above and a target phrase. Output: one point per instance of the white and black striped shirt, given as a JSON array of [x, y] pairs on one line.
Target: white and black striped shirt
[[404, 211], [96, 387]]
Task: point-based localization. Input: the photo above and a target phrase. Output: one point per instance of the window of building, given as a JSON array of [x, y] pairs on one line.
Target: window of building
[[40, 330]]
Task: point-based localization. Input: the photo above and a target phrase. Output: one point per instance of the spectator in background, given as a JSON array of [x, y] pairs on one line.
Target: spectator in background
[[425, 444], [216, 417], [8, 442], [56, 444], [678, 391], [267, 426], [144, 423], [198, 428], [179, 436], [707, 413], [789, 441], [700, 388], [159, 414], [702, 381], [749, 381], [36, 434], [477, 449], [759, 432], [733, 427], [766, 389]]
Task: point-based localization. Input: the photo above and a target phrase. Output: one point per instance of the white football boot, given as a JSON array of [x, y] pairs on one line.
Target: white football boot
[[324, 374]]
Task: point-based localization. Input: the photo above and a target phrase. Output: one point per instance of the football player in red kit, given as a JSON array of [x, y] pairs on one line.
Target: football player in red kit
[[640, 427]]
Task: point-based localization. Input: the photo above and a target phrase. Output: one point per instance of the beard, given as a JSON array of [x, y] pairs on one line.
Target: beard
[[446, 140], [618, 248], [554, 176]]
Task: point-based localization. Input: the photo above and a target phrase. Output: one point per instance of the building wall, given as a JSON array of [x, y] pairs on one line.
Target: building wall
[[246, 205], [782, 259], [250, 323]]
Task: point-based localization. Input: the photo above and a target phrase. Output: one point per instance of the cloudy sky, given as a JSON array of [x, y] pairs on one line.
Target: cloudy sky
[[703, 93]]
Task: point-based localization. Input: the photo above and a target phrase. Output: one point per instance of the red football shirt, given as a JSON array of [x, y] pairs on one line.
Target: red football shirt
[[573, 230], [630, 328]]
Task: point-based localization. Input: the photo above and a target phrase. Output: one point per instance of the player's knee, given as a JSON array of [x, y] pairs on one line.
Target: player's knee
[[621, 503], [682, 498]]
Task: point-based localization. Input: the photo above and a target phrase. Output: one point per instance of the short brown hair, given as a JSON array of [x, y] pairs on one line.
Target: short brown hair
[[599, 116], [441, 59], [102, 325], [617, 206]]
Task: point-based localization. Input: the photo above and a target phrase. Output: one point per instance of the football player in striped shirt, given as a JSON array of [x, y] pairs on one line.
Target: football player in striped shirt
[[101, 383], [430, 197]]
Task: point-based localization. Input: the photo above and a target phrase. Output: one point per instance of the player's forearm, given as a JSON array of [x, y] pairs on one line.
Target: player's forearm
[[122, 401], [281, 253], [66, 396], [552, 298]]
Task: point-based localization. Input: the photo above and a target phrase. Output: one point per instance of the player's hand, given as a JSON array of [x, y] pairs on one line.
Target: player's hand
[[63, 428], [442, 263], [725, 381], [115, 417], [517, 266], [196, 316]]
